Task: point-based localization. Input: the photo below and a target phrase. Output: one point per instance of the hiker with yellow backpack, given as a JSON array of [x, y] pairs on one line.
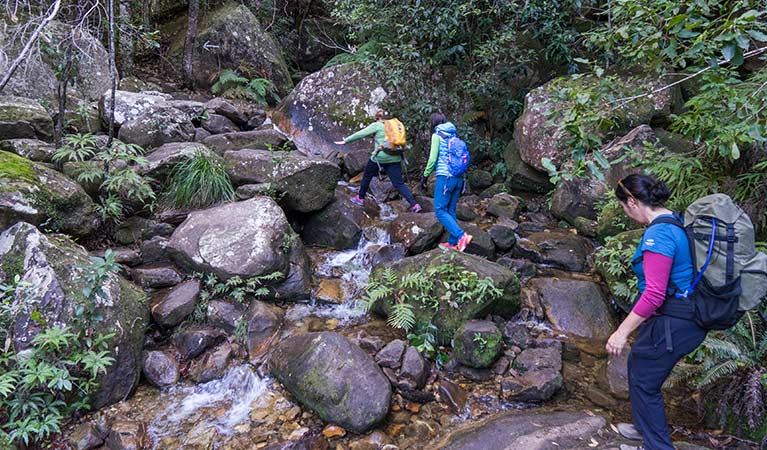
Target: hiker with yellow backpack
[[389, 145]]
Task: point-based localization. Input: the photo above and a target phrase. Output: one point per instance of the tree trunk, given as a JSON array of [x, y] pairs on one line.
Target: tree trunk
[[126, 41], [112, 69], [191, 35], [61, 94]]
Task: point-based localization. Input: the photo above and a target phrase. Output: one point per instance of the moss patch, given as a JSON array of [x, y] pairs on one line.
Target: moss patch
[[14, 167]]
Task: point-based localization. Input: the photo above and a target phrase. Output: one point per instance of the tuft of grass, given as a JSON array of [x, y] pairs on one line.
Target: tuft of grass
[[198, 182]]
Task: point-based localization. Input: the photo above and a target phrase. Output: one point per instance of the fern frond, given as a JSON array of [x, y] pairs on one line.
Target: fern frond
[[402, 316], [717, 372]]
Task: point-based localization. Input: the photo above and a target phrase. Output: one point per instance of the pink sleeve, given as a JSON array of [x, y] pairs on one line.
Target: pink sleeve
[[657, 269]]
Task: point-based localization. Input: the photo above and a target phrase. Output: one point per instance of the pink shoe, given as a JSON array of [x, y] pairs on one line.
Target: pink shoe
[[416, 208], [447, 246], [463, 242], [358, 201]]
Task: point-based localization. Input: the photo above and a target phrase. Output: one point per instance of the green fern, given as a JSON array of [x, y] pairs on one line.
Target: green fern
[[233, 85], [402, 316]]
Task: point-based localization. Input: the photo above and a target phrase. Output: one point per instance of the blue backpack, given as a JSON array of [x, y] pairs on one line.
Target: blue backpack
[[458, 156]]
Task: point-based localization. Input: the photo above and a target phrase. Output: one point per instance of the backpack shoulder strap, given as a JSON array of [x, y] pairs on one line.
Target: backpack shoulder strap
[[671, 220]]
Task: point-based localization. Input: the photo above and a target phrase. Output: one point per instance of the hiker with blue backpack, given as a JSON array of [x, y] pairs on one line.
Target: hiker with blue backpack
[[451, 158], [695, 274]]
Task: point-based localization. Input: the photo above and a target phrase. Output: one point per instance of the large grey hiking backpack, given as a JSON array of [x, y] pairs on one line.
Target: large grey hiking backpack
[[730, 275]]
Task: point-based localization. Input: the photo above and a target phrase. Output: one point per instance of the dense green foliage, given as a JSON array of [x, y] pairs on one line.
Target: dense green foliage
[[237, 289], [198, 182], [233, 85]]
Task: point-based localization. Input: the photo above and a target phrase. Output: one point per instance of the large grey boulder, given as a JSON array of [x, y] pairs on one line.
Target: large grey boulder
[[333, 377], [418, 232], [158, 126], [304, 184], [131, 105], [236, 239], [53, 267], [536, 133], [161, 161], [562, 250], [24, 118], [573, 306], [520, 176], [32, 149], [256, 139], [339, 225], [32, 192], [449, 314], [177, 304]]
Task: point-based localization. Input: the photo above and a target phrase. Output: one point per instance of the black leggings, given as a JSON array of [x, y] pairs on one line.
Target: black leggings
[[394, 172]]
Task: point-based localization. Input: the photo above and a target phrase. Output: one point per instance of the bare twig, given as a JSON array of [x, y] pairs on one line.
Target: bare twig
[[32, 39], [112, 70]]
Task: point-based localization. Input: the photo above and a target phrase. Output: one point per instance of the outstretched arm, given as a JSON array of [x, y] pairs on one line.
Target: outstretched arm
[[433, 153], [365, 132]]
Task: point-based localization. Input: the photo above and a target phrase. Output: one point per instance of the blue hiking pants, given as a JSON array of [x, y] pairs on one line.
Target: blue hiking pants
[[394, 172], [446, 193], [661, 343]]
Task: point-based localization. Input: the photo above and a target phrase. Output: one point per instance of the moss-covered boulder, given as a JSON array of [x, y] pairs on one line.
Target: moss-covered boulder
[[477, 343], [230, 37], [53, 265], [34, 193], [447, 310], [537, 134], [333, 377], [22, 117], [32, 149], [161, 125]]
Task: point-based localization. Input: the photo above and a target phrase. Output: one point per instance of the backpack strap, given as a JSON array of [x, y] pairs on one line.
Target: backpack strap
[[731, 239]]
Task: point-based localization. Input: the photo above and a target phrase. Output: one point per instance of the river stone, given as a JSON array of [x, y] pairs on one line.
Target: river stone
[[334, 378], [479, 180], [536, 132], [156, 276], [160, 368], [225, 314], [298, 284], [160, 125], [213, 365], [136, 229], [412, 374], [452, 394], [558, 249], [33, 193], [32, 149], [481, 242], [177, 304], [303, 184], [236, 239], [217, 124], [53, 265], [505, 205], [573, 306], [539, 358], [161, 161], [256, 139], [236, 41], [155, 250], [503, 236], [447, 318], [520, 176], [225, 108], [354, 161], [264, 321], [123, 255], [131, 105], [535, 385], [417, 232], [192, 341], [391, 354], [517, 335], [477, 343], [127, 435], [86, 437]]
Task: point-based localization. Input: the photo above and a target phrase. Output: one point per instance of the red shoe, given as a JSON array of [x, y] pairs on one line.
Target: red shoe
[[447, 246], [463, 242]]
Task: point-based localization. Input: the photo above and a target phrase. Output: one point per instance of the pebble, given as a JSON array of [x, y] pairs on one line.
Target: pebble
[[332, 431]]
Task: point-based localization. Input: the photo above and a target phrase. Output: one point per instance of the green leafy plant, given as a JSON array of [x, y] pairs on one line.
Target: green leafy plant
[[237, 289], [613, 260], [233, 85], [198, 182], [76, 147]]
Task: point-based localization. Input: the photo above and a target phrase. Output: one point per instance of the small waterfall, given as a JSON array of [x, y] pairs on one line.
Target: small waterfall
[[191, 406]]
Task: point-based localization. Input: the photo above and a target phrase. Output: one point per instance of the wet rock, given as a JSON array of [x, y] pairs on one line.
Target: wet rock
[[525, 429], [231, 240], [477, 343], [136, 229], [586, 227], [226, 109], [160, 368], [31, 149], [161, 161], [330, 290], [22, 117], [520, 176], [447, 318], [256, 139], [264, 322], [123, 255], [127, 434], [156, 276], [217, 124], [562, 250], [413, 370], [298, 284], [532, 386], [303, 184], [417, 232], [573, 306], [339, 225], [465, 213], [537, 135], [522, 267], [453, 395], [387, 254], [86, 437], [371, 344], [501, 365], [481, 243], [391, 354], [479, 180], [333, 377], [354, 161], [526, 228], [505, 206], [224, 315], [155, 250], [376, 440], [475, 375], [517, 334], [213, 364], [576, 198], [503, 236], [33, 193], [52, 265], [193, 341], [177, 305], [539, 358]]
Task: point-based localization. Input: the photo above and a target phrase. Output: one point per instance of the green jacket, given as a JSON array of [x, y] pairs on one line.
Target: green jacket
[[376, 128]]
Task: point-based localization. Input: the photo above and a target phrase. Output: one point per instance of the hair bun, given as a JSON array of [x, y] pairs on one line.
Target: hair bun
[[659, 193]]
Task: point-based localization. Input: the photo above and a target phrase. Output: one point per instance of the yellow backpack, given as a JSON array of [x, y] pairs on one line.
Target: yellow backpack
[[394, 142]]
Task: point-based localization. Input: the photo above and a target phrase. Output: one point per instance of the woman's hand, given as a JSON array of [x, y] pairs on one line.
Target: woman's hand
[[616, 343], [339, 142]]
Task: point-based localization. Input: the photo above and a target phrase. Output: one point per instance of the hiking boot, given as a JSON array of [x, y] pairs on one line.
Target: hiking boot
[[358, 201], [463, 242], [628, 431], [447, 246], [416, 208]]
